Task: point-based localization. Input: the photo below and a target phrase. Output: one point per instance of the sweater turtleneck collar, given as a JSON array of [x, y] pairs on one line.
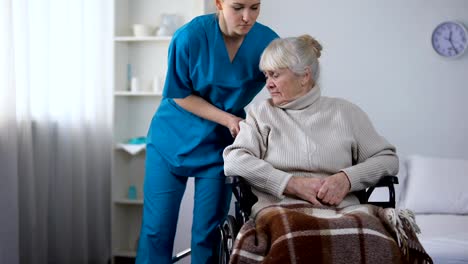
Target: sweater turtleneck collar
[[304, 101]]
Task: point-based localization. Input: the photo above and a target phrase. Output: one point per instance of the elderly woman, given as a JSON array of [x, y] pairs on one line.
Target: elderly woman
[[299, 146], [304, 155]]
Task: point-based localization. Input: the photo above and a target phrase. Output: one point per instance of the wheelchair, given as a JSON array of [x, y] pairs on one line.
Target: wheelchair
[[245, 199]]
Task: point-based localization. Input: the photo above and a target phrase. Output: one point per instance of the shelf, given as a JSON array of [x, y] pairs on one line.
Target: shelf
[[128, 93], [132, 149], [125, 253], [139, 39], [125, 201]]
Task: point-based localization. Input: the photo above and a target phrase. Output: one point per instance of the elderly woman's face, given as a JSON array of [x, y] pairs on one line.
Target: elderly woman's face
[[285, 86]]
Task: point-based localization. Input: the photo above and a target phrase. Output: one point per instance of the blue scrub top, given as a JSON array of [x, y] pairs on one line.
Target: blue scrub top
[[198, 64]]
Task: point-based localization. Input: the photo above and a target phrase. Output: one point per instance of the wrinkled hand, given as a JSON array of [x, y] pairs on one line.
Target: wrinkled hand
[[233, 125], [304, 188], [334, 189]]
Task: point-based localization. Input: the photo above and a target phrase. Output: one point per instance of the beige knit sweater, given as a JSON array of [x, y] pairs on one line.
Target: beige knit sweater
[[312, 136]]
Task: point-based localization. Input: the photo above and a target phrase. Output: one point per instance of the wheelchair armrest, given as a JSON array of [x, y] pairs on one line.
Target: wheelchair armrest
[[386, 181], [246, 199]]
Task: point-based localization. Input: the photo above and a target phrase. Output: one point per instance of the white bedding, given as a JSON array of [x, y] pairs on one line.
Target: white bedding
[[444, 237], [444, 232]]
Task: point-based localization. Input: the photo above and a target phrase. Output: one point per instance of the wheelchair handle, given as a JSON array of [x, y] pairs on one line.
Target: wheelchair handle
[[232, 179]]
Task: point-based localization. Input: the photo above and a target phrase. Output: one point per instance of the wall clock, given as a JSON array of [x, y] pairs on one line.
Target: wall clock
[[450, 39]]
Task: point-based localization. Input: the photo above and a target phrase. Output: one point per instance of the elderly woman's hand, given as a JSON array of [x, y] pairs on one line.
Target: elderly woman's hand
[[334, 189], [304, 188]]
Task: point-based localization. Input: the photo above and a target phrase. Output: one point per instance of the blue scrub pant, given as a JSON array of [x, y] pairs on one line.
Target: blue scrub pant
[[163, 193]]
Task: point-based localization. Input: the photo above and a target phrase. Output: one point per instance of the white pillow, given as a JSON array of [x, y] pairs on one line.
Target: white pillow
[[437, 185]]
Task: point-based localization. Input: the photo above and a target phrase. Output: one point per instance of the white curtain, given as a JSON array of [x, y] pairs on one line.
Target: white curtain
[[55, 129]]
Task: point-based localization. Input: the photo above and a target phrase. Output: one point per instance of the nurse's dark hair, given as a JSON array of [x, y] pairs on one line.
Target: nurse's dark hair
[[296, 53]]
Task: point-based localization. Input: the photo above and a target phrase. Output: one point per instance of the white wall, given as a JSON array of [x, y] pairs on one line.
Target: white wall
[[378, 55]]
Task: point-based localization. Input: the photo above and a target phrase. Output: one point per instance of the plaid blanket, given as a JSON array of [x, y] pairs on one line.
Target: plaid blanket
[[303, 233]]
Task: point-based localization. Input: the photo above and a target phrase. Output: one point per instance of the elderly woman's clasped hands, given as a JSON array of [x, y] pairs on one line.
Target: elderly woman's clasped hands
[[327, 191]]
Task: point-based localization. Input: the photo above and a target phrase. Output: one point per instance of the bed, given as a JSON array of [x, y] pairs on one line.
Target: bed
[[436, 190]]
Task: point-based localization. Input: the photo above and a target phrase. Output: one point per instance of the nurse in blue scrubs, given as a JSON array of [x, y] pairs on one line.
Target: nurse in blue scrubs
[[212, 75]]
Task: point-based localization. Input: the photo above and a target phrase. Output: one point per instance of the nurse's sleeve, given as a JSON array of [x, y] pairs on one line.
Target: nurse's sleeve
[[245, 158], [178, 83]]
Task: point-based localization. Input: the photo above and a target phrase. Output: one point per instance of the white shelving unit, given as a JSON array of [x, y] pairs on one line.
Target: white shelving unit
[[132, 111]]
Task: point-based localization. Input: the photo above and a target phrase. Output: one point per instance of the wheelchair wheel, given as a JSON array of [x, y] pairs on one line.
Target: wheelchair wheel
[[228, 230]]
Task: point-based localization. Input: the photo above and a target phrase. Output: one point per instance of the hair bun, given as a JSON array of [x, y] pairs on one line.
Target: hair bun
[[313, 43]]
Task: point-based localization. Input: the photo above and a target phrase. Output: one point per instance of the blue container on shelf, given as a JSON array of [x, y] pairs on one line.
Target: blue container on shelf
[[137, 140], [132, 192]]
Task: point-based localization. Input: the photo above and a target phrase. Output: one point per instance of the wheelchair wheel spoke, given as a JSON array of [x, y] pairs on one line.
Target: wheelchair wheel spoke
[[228, 231]]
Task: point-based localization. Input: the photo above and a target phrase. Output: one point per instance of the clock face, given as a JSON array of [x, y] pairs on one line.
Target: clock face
[[450, 39]]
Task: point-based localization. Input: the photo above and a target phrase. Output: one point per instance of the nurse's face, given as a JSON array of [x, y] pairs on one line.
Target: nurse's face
[[285, 86], [237, 16]]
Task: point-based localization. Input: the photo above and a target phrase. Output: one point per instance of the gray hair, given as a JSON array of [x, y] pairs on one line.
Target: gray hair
[[295, 53]]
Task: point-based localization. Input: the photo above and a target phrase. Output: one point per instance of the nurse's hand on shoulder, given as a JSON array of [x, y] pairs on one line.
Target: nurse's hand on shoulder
[[233, 125]]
